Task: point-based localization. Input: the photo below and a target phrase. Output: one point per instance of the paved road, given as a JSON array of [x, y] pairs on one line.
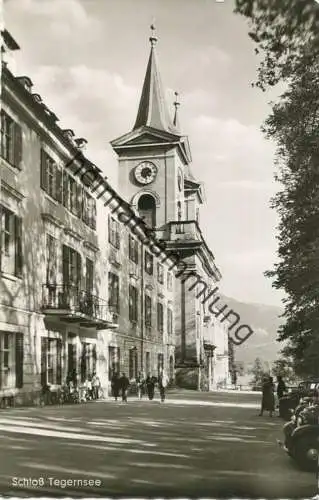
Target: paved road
[[194, 445]]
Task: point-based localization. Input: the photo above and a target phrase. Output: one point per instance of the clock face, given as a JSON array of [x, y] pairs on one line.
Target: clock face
[[145, 172]]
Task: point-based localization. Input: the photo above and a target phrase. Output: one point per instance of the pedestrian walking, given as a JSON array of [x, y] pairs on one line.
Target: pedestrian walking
[[96, 384], [150, 386], [162, 384], [115, 385], [140, 383], [124, 385], [268, 397]]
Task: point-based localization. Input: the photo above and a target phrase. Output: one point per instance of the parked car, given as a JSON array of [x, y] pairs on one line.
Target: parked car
[[301, 435], [290, 401]]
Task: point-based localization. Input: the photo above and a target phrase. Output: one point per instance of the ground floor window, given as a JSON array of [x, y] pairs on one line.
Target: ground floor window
[[160, 362], [51, 361], [171, 368], [88, 360], [11, 360], [133, 363], [114, 361]]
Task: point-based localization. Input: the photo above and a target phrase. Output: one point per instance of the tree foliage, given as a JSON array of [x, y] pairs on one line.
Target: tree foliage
[[286, 34], [258, 372], [284, 367]]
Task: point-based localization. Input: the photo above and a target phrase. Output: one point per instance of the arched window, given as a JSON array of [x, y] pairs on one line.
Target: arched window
[[147, 209]]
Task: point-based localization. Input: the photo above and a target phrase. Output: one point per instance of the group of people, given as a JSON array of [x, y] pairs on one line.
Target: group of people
[[268, 402], [89, 390], [144, 385]]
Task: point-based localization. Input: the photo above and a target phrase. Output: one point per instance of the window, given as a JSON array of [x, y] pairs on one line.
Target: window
[[72, 277], [114, 361], [160, 362], [11, 242], [133, 249], [179, 211], [148, 263], [133, 303], [114, 232], [88, 360], [51, 177], [11, 140], [11, 360], [89, 278], [160, 317], [148, 311], [169, 321], [160, 273], [114, 295], [51, 361], [133, 363], [169, 281], [89, 210]]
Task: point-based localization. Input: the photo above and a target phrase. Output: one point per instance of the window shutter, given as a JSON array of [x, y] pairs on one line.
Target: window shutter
[[59, 362], [66, 264], [93, 213], [44, 354], [17, 148], [19, 352], [83, 362], [65, 189], [43, 169], [59, 187], [18, 246], [79, 200], [78, 272]]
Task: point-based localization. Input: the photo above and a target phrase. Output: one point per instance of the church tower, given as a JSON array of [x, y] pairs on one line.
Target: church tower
[[154, 156], [156, 179]]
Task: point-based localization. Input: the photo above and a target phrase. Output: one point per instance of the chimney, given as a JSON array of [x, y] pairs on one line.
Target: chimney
[[8, 46]]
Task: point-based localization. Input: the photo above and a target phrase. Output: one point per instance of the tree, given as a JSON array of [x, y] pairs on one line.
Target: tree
[[284, 367], [286, 33], [240, 368], [257, 371]]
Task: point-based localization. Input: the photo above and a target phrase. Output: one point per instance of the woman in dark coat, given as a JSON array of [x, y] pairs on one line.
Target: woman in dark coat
[[268, 397], [115, 384], [150, 386]]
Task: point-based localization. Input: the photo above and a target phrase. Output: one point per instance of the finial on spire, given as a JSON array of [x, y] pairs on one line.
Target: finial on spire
[[153, 37], [176, 104]]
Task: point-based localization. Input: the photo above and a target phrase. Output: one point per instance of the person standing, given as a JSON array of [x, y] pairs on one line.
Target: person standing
[[140, 385], [115, 385], [162, 384], [96, 384], [268, 397], [150, 386], [124, 385], [281, 387]]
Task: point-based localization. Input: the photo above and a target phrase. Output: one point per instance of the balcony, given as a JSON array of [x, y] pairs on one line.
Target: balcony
[[72, 305], [184, 231]]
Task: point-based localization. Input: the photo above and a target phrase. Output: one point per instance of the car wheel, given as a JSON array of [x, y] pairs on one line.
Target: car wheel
[[306, 451]]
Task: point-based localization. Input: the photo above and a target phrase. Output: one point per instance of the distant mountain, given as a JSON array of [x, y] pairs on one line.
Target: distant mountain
[[265, 321]]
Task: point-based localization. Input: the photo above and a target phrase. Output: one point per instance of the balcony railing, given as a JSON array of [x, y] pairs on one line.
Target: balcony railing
[[75, 305], [184, 230]]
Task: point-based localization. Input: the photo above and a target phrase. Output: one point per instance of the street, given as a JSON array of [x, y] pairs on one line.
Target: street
[[193, 445]]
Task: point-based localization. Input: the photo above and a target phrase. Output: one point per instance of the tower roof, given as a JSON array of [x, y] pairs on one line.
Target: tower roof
[[153, 111]]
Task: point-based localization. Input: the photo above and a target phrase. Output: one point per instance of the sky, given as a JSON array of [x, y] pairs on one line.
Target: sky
[[87, 59]]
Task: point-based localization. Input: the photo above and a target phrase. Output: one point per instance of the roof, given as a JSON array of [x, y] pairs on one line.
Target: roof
[[153, 111]]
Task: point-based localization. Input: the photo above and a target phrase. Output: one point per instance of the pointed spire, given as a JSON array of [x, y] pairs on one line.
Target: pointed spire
[[176, 117], [153, 111]]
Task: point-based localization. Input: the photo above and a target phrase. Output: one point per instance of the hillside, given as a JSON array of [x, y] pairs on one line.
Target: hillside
[[264, 320]]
